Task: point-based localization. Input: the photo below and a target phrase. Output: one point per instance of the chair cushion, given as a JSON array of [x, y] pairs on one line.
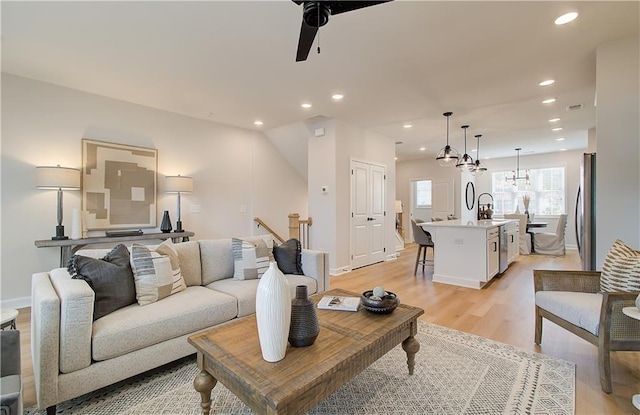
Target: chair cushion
[[110, 278], [579, 309], [621, 269], [136, 327]]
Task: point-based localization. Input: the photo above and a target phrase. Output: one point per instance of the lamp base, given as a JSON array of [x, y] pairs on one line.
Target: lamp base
[[179, 226], [59, 234]]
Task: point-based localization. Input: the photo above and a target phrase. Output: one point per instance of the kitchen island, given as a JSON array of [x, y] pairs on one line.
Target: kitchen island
[[470, 254]]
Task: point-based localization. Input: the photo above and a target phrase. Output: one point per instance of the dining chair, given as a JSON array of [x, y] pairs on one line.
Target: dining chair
[[423, 239], [551, 243], [525, 238]]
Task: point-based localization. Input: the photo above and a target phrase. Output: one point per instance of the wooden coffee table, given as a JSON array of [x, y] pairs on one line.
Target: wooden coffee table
[[347, 344]]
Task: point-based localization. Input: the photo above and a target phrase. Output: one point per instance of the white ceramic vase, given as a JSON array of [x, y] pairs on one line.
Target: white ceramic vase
[[273, 313], [638, 302]]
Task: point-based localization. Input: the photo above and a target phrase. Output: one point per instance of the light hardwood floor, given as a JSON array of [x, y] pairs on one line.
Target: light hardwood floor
[[502, 311]]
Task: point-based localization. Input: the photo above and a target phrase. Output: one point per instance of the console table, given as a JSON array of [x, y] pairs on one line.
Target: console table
[[69, 246]]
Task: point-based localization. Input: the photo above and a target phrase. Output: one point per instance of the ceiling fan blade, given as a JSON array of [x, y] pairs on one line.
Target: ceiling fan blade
[[307, 35], [338, 7]]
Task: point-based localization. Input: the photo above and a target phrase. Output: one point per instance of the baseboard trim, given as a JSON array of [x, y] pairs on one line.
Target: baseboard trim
[[338, 271], [22, 302]]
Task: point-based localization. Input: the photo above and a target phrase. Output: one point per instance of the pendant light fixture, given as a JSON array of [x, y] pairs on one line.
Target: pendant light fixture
[[466, 162], [448, 156], [478, 170], [515, 174]]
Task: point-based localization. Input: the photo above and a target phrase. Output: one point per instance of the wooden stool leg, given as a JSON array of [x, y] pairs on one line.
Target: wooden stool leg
[[424, 258], [415, 270]]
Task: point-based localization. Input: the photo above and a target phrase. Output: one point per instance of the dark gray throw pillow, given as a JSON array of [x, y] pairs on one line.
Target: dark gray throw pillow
[[110, 278], [288, 257]]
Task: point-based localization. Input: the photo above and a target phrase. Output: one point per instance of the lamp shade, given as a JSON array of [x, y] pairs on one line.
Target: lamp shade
[[398, 206], [56, 177], [178, 184]]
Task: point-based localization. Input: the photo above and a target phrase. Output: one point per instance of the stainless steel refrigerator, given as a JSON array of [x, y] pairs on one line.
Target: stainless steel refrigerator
[[585, 216]]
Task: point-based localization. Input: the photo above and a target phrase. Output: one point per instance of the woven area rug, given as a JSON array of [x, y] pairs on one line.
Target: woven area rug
[[455, 373]]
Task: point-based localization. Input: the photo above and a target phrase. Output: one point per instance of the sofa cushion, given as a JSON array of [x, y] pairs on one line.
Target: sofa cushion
[[110, 278], [216, 257], [579, 309], [189, 254], [288, 257], [156, 272], [621, 269], [245, 291], [135, 327], [250, 260]]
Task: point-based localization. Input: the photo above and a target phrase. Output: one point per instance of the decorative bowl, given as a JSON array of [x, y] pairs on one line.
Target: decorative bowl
[[386, 305]]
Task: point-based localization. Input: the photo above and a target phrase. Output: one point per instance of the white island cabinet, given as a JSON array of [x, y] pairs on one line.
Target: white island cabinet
[[467, 255]]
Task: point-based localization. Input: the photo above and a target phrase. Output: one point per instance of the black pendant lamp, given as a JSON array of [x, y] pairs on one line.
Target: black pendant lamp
[[466, 162], [478, 170], [515, 174], [448, 156]]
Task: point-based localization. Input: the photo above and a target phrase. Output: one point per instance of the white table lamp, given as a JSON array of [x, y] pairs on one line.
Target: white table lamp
[[58, 178], [178, 184]]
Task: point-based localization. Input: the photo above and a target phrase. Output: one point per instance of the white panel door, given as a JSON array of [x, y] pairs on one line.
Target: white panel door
[[442, 199], [367, 213]]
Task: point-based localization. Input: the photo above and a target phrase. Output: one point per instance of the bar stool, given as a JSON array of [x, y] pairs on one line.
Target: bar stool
[[423, 239]]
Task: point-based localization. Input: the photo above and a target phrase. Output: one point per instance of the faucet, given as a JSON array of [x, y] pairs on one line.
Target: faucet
[[482, 212]]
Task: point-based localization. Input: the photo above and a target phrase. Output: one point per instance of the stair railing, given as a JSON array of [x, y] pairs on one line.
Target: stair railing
[[298, 229]]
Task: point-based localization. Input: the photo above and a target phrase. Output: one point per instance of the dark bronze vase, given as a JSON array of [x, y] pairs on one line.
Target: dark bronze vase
[[165, 226], [304, 327]]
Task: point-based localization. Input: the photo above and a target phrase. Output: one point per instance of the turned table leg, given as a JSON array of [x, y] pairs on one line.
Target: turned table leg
[[204, 384], [411, 346]]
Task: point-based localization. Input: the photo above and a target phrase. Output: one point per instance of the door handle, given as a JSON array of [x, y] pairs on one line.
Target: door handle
[[370, 219]]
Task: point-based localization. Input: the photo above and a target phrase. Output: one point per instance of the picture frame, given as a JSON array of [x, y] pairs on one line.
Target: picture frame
[[119, 186]]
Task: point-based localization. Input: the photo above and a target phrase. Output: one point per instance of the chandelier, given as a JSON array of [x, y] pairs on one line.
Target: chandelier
[[466, 162], [448, 156], [477, 169], [515, 174]]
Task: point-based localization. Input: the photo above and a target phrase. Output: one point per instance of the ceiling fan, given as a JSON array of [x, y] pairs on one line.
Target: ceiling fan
[[316, 14]]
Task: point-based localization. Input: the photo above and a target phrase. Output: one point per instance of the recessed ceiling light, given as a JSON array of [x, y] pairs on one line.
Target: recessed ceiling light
[[337, 97], [395, 158], [547, 82], [422, 148], [566, 18], [258, 123], [557, 129], [305, 105], [563, 149], [549, 101], [554, 120], [474, 150], [560, 139], [407, 126]]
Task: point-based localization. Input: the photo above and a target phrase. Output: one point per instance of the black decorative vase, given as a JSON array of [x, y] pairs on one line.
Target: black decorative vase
[[304, 327], [165, 226]]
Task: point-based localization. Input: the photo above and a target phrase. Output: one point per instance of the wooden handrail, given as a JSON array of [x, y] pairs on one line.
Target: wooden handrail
[[260, 222]]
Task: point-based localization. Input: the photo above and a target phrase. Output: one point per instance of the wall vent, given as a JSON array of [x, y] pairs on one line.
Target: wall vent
[[574, 107]]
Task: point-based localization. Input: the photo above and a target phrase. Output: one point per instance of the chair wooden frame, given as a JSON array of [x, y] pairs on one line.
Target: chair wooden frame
[[617, 332]]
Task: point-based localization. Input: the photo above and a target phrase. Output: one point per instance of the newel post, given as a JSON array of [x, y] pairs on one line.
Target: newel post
[[294, 225]]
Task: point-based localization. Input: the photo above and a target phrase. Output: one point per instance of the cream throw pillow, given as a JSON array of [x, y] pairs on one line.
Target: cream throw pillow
[[621, 269], [156, 272], [250, 260]]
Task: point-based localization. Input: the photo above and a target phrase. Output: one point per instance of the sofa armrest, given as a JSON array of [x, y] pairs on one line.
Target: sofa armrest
[[562, 280], [315, 264], [616, 326], [45, 338], [76, 320]]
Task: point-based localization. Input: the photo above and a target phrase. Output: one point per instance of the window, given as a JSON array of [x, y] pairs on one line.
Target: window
[[423, 193], [546, 191]]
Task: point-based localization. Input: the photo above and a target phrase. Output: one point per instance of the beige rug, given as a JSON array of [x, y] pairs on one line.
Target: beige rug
[[455, 373]]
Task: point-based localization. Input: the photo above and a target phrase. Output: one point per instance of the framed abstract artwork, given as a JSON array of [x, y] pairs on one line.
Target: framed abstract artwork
[[118, 185]]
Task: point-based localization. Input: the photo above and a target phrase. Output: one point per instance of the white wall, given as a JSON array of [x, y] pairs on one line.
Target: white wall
[[618, 136], [429, 169], [43, 124]]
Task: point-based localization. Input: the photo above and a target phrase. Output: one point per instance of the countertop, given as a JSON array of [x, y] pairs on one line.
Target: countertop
[[478, 224]]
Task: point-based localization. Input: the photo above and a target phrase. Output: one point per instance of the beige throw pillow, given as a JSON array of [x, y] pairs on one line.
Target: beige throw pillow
[[621, 269], [250, 260], [156, 272]]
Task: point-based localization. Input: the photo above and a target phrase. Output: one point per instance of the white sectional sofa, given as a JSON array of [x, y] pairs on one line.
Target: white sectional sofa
[[74, 355]]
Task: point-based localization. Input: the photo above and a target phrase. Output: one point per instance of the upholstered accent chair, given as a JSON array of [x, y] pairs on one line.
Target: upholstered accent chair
[[573, 300], [11, 379], [424, 241], [525, 238], [551, 243]]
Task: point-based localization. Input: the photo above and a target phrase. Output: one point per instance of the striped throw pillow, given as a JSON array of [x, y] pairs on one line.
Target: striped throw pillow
[[156, 272], [250, 260], [621, 269]]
